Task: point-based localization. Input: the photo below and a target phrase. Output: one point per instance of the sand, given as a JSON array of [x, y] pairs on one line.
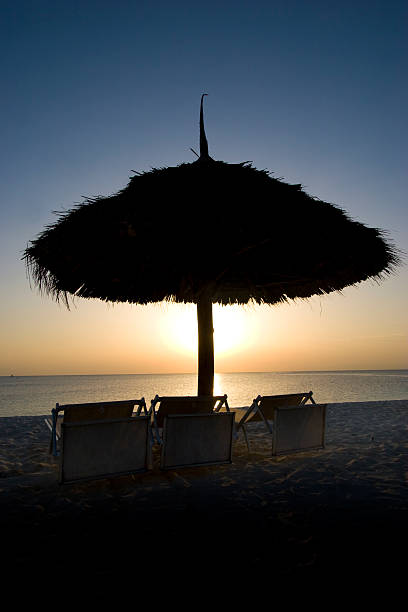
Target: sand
[[335, 514]]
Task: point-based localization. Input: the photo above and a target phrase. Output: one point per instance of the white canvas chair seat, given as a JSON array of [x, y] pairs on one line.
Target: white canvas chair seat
[[197, 440], [263, 408], [104, 449], [298, 428], [100, 439], [163, 406]]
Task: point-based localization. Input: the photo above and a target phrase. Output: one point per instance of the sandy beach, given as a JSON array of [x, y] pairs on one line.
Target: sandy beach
[[335, 513]]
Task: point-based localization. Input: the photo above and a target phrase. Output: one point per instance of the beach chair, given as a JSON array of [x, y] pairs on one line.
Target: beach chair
[[298, 428], [263, 409], [100, 439], [163, 406], [192, 440]]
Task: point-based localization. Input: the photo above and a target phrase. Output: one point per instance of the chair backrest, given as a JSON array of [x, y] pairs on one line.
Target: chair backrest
[[104, 448], [268, 403], [197, 439], [91, 411], [94, 411], [172, 405], [298, 428]]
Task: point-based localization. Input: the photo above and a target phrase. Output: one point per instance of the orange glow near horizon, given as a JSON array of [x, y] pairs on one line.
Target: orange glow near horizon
[[360, 329]]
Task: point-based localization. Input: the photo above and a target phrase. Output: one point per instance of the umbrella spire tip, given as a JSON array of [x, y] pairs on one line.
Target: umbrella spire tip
[[203, 138]]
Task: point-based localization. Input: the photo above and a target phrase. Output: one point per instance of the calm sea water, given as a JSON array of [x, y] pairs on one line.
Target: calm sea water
[[37, 395]]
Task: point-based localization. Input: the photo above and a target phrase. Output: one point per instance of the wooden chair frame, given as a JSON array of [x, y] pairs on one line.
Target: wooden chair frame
[[257, 412]]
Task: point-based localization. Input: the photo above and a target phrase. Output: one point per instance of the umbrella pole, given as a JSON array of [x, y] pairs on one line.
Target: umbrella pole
[[205, 346]]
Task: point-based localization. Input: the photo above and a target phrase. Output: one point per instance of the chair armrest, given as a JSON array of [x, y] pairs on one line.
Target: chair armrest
[[241, 413], [222, 402]]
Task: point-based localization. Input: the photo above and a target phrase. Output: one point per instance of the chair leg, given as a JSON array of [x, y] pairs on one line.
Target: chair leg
[[267, 425], [246, 438]]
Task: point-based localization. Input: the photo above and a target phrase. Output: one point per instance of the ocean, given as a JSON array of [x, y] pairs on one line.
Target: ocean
[[37, 395]]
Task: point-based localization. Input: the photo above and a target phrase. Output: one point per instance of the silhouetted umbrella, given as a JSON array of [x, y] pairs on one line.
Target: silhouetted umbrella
[[206, 232]]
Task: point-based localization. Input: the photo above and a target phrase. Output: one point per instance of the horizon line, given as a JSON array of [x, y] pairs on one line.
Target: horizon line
[[195, 373]]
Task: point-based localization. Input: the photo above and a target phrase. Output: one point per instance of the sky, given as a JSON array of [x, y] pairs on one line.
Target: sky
[[315, 92]]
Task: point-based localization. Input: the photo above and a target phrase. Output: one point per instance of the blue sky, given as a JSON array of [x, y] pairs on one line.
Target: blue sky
[[315, 92]]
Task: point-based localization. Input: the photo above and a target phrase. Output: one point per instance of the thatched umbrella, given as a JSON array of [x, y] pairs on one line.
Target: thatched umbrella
[[206, 232]]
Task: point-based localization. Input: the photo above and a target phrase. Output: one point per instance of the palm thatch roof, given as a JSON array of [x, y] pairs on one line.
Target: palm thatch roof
[[228, 230]]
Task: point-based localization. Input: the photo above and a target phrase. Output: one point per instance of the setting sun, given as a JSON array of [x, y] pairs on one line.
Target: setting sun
[[231, 329]]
